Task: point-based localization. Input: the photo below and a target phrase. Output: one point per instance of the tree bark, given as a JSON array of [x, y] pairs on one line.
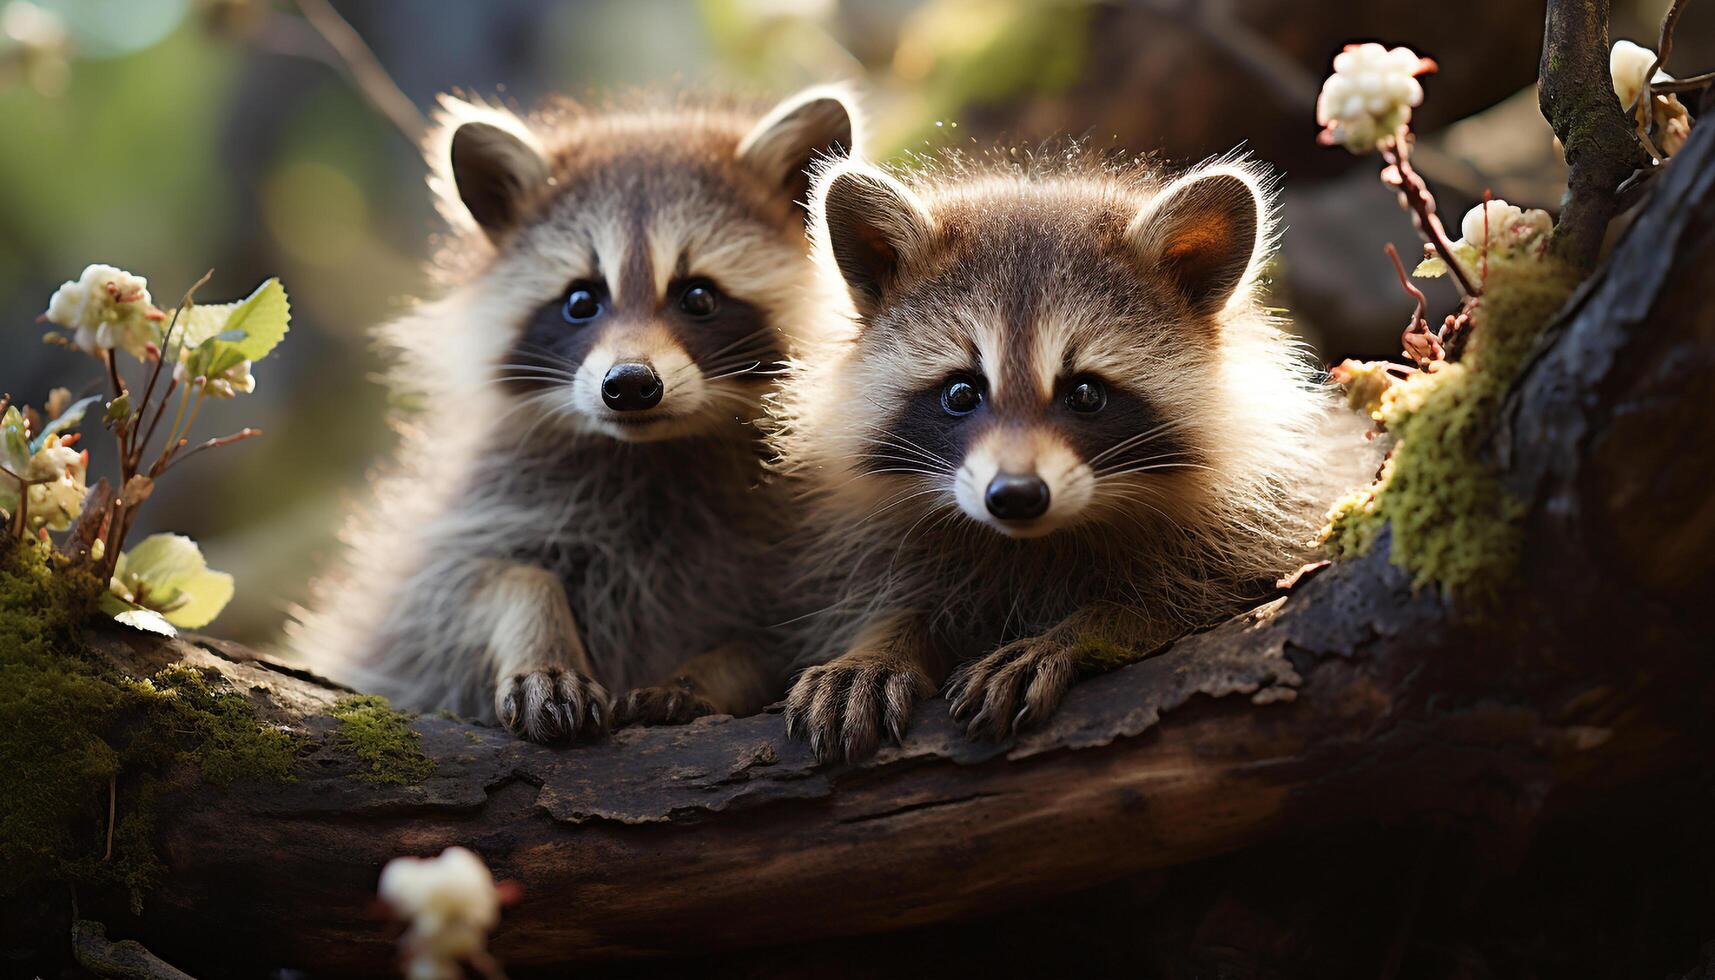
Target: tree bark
[[1352, 699], [1577, 98]]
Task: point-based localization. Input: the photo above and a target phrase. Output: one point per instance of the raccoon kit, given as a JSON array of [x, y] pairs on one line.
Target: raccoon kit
[[580, 504], [1058, 422]]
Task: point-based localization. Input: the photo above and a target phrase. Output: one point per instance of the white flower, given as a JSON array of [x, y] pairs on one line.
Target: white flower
[[235, 380], [451, 903], [106, 308], [1494, 228], [1628, 63], [1500, 225], [57, 475], [1370, 95]]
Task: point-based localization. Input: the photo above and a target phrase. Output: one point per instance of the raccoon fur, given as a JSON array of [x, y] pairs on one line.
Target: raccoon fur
[[579, 503], [1058, 421]]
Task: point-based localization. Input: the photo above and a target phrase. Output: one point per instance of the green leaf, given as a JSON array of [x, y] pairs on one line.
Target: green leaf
[[118, 409], [203, 596], [263, 318], [167, 574], [1430, 268], [14, 446], [69, 418], [202, 323]]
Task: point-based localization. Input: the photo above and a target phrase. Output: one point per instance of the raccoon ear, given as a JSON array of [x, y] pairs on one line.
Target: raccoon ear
[[486, 164], [872, 225], [1202, 232], [496, 174], [816, 124]]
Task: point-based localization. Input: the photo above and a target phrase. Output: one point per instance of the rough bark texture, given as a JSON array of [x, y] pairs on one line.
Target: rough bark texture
[[1578, 99], [1350, 702]]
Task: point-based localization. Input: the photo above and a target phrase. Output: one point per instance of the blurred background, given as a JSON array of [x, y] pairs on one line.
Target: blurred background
[[169, 137]]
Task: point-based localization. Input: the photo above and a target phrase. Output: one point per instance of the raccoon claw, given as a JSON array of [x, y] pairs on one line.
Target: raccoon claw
[[1017, 685], [668, 705], [844, 709], [552, 704]]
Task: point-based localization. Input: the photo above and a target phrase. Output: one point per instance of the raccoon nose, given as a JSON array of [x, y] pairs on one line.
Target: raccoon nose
[[1017, 496], [631, 386]]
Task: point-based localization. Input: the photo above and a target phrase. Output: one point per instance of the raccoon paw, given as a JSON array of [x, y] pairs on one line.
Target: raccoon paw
[[552, 703], [671, 704], [1019, 684], [843, 708]]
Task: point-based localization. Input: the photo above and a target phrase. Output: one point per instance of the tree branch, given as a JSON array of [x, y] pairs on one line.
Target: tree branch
[[1578, 100]]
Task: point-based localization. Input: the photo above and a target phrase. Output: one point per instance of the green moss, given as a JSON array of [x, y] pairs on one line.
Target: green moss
[[1454, 525], [230, 743], [1098, 654], [75, 736], [382, 739]]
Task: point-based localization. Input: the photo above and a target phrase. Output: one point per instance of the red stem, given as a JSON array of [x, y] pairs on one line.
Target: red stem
[[1396, 151]]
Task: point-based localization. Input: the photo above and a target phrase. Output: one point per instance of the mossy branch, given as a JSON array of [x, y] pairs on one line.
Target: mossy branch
[[1578, 100]]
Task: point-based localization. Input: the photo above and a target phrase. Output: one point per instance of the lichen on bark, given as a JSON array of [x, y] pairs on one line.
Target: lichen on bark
[[84, 749], [382, 739], [1454, 526]]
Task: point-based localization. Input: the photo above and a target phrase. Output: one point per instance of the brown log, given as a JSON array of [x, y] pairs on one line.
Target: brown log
[[1353, 699]]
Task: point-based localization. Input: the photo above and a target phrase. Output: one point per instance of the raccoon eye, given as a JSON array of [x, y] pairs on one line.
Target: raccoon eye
[[1086, 396], [581, 305], [700, 300], [960, 396]]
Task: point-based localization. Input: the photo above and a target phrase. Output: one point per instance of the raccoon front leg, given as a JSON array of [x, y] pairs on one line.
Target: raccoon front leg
[[845, 705], [728, 680], [542, 685], [1022, 683]]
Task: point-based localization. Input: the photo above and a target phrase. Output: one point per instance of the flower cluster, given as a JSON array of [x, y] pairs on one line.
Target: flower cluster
[[1629, 65], [107, 308], [1494, 228], [1370, 95], [451, 903], [163, 583], [43, 481]]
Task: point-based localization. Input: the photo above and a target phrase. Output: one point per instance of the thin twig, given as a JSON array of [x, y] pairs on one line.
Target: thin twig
[[1691, 84], [238, 436], [155, 374], [112, 807], [1418, 342], [364, 69], [1400, 175]]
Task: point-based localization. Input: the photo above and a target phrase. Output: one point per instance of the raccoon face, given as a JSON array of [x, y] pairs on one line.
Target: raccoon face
[[653, 262], [1036, 354]]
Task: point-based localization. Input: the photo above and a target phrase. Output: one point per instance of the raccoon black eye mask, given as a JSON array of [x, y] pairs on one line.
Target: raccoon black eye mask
[[1062, 418]]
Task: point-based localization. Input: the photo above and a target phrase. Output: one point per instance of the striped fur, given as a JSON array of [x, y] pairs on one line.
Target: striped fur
[[530, 548], [1195, 485]]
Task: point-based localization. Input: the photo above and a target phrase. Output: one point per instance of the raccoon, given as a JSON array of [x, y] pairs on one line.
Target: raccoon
[[1059, 429], [580, 504]]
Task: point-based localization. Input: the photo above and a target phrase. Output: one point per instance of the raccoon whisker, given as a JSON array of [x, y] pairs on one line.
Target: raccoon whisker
[[1133, 440], [733, 373], [1155, 466], [1158, 457], [753, 335], [510, 378], [895, 501], [903, 444], [911, 461]]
